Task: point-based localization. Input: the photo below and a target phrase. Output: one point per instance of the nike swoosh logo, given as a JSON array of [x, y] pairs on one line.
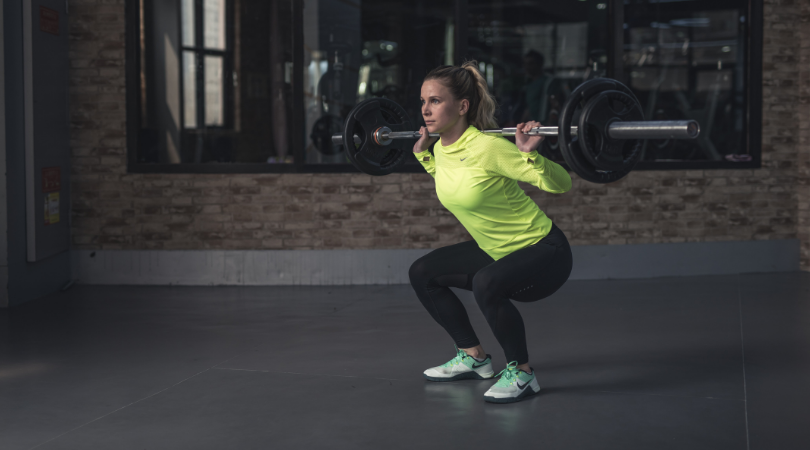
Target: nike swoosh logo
[[477, 364], [464, 158], [522, 387]]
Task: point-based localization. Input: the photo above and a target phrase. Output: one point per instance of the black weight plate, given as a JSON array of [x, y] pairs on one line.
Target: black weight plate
[[597, 146], [569, 146], [363, 120]]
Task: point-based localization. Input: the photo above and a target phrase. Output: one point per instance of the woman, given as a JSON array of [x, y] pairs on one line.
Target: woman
[[517, 253]]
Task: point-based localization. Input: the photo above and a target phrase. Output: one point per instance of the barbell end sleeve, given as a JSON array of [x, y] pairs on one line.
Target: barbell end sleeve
[[693, 129], [671, 129]]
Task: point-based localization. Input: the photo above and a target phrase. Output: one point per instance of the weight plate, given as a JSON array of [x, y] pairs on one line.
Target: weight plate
[[569, 145], [597, 146], [322, 131], [365, 118]]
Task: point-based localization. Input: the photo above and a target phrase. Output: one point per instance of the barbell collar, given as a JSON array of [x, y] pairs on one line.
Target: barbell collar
[[382, 136], [671, 129]]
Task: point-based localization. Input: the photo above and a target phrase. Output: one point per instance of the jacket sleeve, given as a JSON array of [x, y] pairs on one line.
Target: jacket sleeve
[[427, 161], [507, 161]]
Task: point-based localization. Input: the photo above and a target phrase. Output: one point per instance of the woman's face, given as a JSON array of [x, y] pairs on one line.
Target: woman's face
[[439, 109]]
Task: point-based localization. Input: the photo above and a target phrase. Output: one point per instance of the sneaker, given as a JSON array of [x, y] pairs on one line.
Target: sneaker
[[462, 367], [513, 386]]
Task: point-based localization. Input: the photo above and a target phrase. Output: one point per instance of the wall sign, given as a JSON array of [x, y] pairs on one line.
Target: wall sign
[[51, 179], [51, 184], [51, 208]]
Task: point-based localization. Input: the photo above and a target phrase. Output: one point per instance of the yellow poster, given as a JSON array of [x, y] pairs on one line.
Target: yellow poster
[[51, 208]]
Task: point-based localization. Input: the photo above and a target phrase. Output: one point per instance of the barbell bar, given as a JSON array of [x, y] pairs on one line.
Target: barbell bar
[[673, 129]]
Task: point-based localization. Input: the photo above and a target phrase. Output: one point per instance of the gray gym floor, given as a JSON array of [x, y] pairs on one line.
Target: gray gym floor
[[676, 363]]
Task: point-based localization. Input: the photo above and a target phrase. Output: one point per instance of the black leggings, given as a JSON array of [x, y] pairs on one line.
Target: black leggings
[[527, 275]]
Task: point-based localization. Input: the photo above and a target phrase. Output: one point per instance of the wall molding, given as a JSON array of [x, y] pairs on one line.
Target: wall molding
[[357, 267]]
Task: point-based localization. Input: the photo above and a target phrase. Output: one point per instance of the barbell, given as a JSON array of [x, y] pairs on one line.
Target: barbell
[[600, 132], [672, 129]]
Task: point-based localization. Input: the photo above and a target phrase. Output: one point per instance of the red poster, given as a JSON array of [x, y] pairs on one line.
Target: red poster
[[49, 20], [51, 179]]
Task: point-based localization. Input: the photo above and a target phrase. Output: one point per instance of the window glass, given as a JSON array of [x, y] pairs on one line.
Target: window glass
[[214, 92], [686, 60], [216, 81], [188, 25], [214, 25], [534, 54], [189, 89], [354, 51]]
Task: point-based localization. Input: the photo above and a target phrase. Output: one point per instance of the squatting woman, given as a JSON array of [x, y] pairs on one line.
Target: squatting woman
[[517, 253]]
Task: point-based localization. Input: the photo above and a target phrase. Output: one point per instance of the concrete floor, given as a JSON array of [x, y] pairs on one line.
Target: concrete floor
[[679, 363]]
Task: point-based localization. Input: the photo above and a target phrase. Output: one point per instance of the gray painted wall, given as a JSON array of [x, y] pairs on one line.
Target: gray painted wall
[[342, 267], [27, 281]]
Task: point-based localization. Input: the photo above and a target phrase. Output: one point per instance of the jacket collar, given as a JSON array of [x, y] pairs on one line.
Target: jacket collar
[[461, 144]]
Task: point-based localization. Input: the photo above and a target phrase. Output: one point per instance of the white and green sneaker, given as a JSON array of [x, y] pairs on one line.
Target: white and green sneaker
[[513, 386], [462, 367]]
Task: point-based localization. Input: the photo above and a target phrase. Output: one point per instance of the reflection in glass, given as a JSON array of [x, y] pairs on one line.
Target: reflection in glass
[[214, 26], [217, 82], [688, 63], [534, 54], [189, 90], [214, 114], [368, 55], [571, 51]]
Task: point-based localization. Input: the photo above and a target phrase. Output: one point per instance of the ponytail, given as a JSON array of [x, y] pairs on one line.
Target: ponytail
[[483, 116], [466, 82]]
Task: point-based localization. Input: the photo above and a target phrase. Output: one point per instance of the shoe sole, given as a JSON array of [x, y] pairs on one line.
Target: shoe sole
[[459, 377], [523, 396]]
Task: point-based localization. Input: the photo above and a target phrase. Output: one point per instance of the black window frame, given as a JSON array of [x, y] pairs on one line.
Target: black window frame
[[753, 110]]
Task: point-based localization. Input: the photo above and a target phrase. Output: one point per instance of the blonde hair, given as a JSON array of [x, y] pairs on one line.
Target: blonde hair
[[466, 82]]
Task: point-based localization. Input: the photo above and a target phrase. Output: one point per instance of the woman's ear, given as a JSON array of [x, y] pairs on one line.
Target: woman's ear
[[464, 107]]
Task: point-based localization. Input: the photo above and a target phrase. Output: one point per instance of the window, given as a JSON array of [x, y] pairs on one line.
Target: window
[[689, 60], [260, 85]]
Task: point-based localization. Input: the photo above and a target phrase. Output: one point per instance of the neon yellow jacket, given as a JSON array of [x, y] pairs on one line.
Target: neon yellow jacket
[[476, 180]]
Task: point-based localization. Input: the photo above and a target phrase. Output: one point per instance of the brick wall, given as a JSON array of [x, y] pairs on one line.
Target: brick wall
[[803, 169], [116, 210], [781, 109]]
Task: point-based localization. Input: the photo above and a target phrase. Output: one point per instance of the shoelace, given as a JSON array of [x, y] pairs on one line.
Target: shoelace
[[510, 373]]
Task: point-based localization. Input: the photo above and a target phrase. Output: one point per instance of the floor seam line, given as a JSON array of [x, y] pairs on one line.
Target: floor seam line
[[399, 379], [127, 406], [661, 395], [742, 352]]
